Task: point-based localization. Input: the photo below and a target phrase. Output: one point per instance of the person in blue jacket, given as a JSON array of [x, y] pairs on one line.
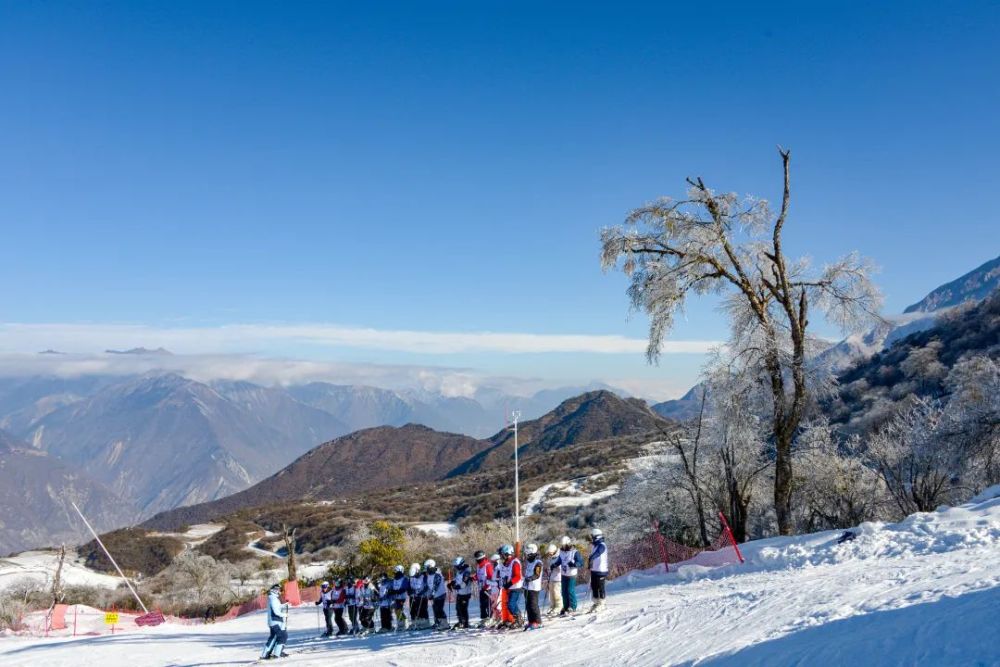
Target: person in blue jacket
[[277, 622], [598, 562]]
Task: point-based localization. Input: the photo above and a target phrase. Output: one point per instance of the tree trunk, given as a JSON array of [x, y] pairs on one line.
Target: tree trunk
[[783, 481], [57, 593], [289, 537]]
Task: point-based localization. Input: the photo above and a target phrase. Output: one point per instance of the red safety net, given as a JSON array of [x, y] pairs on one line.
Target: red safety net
[[654, 549]]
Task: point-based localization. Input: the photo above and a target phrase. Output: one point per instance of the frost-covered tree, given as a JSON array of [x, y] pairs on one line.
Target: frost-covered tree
[[912, 456], [736, 438], [718, 243], [834, 488], [940, 451], [973, 417]]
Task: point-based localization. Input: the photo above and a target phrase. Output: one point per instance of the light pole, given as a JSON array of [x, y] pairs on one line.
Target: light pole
[[516, 415]]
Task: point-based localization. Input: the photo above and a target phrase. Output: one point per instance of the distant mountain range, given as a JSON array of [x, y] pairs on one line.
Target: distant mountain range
[[160, 440], [971, 288], [386, 457], [35, 494]]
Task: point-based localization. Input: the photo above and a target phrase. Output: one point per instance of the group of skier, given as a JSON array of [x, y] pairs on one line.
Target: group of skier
[[502, 580]]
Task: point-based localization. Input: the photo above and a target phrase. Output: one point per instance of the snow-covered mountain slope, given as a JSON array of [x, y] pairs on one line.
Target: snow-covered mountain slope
[[924, 591]]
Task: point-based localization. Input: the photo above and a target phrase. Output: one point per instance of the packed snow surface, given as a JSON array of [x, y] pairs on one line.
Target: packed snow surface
[[442, 529], [40, 567], [921, 592], [566, 494]]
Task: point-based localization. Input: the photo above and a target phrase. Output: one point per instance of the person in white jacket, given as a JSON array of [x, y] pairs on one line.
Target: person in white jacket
[[570, 561], [598, 568], [277, 620]]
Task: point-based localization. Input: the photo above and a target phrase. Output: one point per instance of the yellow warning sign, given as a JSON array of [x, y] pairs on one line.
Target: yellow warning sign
[[111, 618]]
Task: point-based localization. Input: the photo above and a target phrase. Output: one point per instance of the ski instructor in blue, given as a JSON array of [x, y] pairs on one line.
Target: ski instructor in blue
[[277, 622]]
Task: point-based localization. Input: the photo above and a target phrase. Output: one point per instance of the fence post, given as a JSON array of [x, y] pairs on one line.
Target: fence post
[[729, 534], [76, 607], [659, 542]]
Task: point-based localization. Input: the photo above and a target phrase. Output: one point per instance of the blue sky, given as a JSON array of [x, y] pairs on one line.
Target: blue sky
[[442, 167]]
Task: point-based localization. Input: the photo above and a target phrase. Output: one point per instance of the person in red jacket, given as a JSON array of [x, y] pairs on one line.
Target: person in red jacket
[[513, 582], [485, 579], [339, 602]]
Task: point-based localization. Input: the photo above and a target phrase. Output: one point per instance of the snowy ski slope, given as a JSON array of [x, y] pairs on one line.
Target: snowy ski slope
[[924, 591]]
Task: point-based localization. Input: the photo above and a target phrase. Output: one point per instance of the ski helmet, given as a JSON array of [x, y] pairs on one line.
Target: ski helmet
[[495, 557], [325, 584], [479, 555], [414, 569], [338, 581], [565, 541], [596, 533], [531, 550], [459, 562], [430, 564], [506, 550], [275, 588], [552, 549], [398, 568]]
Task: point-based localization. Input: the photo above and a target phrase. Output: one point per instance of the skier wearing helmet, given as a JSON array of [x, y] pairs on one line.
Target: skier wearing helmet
[[513, 583], [400, 587], [533, 570], [367, 595], [385, 602], [598, 568], [487, 586], [339, 602], [570, 561], [555, 580], [437, 592], [326, 599], [498, 600], [462, 585], [352, 603], [418, 604]]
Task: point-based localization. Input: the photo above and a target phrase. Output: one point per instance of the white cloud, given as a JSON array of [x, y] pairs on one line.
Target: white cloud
[[248, 338]]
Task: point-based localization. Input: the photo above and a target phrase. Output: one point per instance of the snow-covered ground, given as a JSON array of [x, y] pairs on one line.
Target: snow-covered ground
[[441, 529], [196, 534], [40, 567], [566, 494], [921, 592]]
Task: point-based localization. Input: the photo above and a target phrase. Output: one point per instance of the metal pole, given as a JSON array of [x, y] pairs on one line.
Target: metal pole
[[517, 488], [106, 553]]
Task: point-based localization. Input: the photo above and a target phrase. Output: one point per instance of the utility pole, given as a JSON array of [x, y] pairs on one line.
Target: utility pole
[[516, 415]]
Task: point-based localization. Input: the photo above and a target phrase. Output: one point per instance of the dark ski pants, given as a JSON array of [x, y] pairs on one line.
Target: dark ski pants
[[385, 617], [597, 585], [397, 607], [439, 613], [328, 617], [338, 617], [352, 615], [367, 618], [278, 637], [531, 602], [424, 609], [569, 593], [462, 607], [485, 604], [514, 601], [414, 608]]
